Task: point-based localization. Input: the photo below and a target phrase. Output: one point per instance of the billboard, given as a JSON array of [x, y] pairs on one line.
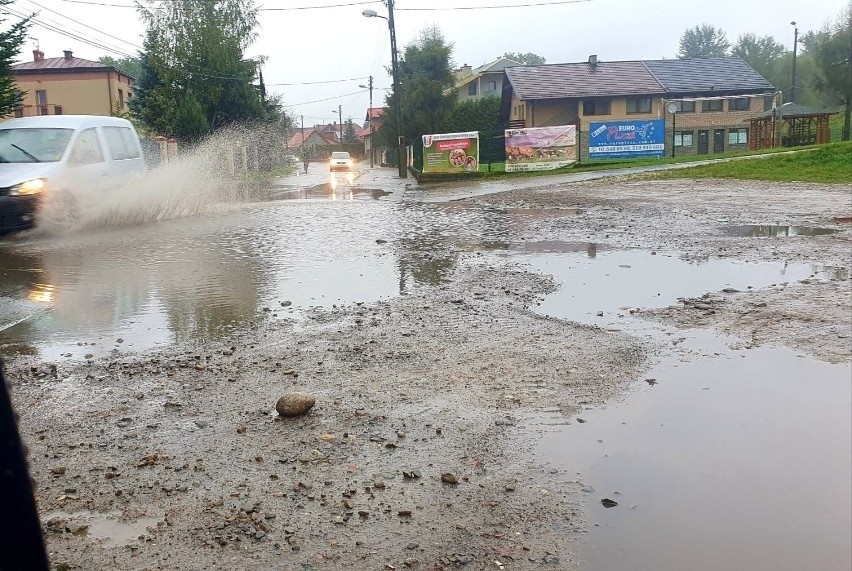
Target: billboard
[[627, 139], [451, 152], [540, 148]]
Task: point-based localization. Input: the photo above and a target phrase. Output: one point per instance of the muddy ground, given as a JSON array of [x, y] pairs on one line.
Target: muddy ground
[[415, 455]]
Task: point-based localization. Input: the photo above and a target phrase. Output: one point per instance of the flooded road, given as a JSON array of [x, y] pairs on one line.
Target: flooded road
[[488, 333]]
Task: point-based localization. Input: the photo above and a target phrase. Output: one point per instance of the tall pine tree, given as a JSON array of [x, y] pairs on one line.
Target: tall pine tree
[[11, 39]]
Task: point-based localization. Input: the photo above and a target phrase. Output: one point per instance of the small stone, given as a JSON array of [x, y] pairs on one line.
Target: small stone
[[449, 478], [295, 404], [348, 504], [380, 241], [600, 314], [77, 528], [287, 303], [608, 503], [412, 546], [404, 513], [119, 340], [201, 423], [58, 471], [88, 356], [651, 382], [581, 420], [729, 290], [363, 513]]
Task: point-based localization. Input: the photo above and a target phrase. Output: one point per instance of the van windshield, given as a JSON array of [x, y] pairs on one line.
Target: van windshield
[[340, 155], [33, 145]]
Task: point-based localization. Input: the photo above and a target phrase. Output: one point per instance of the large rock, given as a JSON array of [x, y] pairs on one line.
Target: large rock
[[295, 404]]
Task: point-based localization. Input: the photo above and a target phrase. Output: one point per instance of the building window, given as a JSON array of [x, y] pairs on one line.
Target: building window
[[522, 111], [685, 106], [768, 100], [739, 104], [596, 107], [639, 105], [57, 109], [121, 99], [711, 105], [471, 88], [683, 139], [738, 137], [41, 101]]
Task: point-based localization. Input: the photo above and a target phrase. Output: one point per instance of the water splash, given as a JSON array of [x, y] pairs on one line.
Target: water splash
[[205, 178]]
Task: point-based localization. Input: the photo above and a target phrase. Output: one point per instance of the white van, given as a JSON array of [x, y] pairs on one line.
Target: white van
[[58, 154]]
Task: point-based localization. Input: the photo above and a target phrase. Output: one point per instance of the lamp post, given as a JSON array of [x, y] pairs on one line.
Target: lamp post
[[370, 117], [795, 45], [672, 107], [396, 93]]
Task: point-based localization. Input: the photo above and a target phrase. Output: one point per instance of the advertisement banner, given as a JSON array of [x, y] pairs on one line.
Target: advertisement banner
[[451, 152], [627, 139], [540, 148]]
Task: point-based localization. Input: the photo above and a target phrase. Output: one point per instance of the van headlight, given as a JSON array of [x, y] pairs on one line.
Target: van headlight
[[29, 187]]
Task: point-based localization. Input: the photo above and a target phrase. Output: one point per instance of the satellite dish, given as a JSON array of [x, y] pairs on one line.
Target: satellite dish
[[672, 107]]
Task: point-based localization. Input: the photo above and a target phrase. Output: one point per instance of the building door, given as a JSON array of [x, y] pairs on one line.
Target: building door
[[718, 141], [702, 142]]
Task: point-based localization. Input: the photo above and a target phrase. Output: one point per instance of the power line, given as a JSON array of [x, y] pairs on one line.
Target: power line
[[326, 99], [317, 82], [288, 9], [86, 25], [68, 34], [525, 5]]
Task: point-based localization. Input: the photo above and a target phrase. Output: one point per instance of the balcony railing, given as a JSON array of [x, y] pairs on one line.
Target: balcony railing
[[36, 110]]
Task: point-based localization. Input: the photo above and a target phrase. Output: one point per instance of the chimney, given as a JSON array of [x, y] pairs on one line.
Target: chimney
[[38, 55], [463, 71], [593, 61], [68, 54]]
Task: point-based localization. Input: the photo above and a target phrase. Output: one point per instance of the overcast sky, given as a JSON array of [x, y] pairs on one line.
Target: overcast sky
[[325, 44]]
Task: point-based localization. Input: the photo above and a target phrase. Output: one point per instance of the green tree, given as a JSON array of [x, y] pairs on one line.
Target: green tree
[[703, 41], [528, 58], [761, 53], [481, 114], [350, 134], [426, 79], [11, 39], [831, 50], [188, 122], [129, 65], [197, 47]]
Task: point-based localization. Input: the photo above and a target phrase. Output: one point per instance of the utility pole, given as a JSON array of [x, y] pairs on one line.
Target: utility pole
[[340, 117], [397, 95], [370, 114], [370, 119], [795, 45], [304, 158]]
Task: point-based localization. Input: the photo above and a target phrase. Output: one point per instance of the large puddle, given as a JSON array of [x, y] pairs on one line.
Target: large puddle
[[736, 459], [772, 231], [614, 282]]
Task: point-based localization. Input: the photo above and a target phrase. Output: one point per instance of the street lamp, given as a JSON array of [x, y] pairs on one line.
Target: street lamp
[[672, 107], [795, 45], [395, 69], [370, 117]]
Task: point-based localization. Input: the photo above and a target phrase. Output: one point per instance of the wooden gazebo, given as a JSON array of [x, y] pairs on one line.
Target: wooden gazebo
[[791, 125]]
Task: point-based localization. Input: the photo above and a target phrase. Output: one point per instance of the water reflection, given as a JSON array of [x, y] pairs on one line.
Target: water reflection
[[771, 231]]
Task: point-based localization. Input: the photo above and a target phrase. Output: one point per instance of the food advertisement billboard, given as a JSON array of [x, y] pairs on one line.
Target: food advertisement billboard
[[451, 152], [541, 148]]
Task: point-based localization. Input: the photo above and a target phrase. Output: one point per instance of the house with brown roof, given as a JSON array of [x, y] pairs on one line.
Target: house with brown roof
[[372, 122], [713, 98], [70, 85], [483, 81]]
